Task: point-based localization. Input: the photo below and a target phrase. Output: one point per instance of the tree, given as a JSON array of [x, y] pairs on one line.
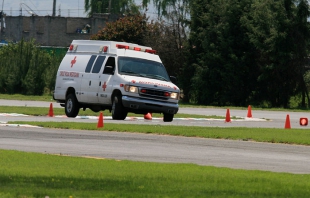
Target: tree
[[168, 34], [246, 51], [280, 36], [32, 73], [109, 6], [302, 35], [137, 29], [127, 29], [173, 21], [166, 41], [224, 73]]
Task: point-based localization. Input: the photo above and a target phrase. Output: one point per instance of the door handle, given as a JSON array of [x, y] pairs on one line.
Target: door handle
[[100, 84], [89, 83]]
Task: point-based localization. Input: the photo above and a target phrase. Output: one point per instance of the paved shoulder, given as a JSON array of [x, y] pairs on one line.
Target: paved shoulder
[[27, 103]]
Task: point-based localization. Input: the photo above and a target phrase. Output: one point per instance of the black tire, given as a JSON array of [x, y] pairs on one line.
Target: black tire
[[72, 106], [118, 110], [168, 117]]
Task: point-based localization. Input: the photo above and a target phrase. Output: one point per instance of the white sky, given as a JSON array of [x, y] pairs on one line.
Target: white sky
[[72, 8]]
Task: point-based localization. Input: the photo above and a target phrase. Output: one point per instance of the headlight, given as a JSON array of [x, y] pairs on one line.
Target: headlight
[[174, 95], [131, 89]]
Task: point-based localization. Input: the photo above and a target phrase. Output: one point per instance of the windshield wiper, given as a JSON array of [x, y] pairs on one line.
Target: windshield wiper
[[145, 75], [158, 77], [132, 73]]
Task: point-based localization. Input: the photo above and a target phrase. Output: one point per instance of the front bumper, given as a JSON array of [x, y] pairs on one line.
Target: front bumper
[[140, 104]]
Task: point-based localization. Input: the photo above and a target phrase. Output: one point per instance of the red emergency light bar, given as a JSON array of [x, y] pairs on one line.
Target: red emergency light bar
[[73, 47], [122, 46], [135, 48], [105, 48], [150, 51]]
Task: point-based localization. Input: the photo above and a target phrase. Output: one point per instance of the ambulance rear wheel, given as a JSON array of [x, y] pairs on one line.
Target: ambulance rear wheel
[[168, 117], [72, 106], [118, 110]]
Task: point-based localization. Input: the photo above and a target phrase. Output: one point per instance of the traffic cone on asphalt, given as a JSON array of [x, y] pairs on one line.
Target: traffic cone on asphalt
[[148, 116], [100, 121], [227, 116], [287, 122], [249, 112], [51, 112]]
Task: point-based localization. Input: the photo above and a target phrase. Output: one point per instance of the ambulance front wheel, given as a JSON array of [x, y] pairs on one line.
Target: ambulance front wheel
[[118, 110], [72, 106], [168, 117]]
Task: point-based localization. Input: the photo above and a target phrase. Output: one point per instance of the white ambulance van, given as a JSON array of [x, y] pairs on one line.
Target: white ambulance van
[[117, 76]]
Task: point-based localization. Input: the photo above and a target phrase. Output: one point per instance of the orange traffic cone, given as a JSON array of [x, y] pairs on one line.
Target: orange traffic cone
[[51, 112], [100, 121], [287, 122], [249, 112], [227, 116], [148, 116]]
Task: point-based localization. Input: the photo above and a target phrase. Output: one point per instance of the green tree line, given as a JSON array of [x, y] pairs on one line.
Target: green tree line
[[25, 68], [248, 51]]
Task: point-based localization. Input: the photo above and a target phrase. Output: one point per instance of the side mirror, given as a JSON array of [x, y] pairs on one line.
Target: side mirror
[[108, 70], [173, 79]]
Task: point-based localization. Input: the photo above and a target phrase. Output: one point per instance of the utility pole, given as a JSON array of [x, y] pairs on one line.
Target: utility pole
[[54, 8]]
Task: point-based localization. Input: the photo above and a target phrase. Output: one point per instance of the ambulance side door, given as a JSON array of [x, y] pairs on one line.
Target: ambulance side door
[[68, 75], [107, 81], [84, 91], [95, 80]]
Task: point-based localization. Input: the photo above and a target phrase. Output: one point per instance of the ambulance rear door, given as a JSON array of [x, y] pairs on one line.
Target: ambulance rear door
[[70, 74]]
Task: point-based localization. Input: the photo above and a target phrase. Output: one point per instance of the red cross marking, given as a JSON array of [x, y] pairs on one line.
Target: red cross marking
[[104, 86], [73, 61]]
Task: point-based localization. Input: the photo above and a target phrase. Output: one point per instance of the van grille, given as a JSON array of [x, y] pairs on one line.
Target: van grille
[[153, 93]]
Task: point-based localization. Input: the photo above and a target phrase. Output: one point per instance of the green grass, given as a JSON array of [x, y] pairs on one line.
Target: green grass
[[28, 175], [25, 175], [42, 111], [272, 135], [46, 98]]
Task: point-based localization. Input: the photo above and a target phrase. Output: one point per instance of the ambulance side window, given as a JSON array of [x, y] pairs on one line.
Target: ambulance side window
[[98, 64], [109, 66], [90, 63]]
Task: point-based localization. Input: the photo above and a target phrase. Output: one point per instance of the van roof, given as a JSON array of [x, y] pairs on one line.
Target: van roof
[[96, 46]]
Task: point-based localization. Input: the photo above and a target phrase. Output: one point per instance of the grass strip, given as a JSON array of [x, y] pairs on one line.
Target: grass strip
[[46, 98], [272, 135], [37, 175]]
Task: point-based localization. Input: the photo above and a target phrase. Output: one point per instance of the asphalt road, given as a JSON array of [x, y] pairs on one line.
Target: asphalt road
[[157, 148], [260, 119]]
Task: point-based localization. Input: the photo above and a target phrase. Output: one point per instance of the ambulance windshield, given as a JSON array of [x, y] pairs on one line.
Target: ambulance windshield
[[141, 67]]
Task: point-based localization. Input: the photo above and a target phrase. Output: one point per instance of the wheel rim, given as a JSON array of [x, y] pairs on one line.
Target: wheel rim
[[69, 105]]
